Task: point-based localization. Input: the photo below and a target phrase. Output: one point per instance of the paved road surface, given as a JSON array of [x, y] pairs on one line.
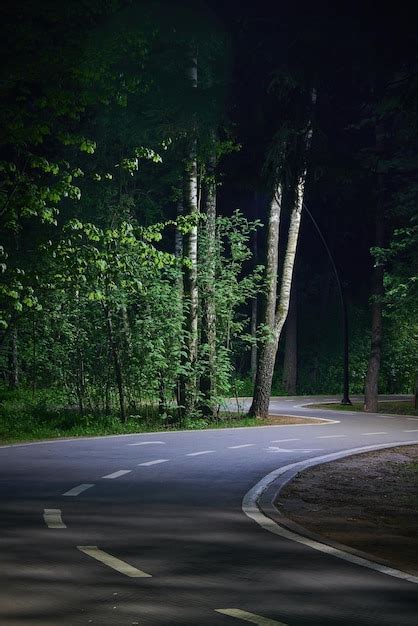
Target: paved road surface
[[149, 530]]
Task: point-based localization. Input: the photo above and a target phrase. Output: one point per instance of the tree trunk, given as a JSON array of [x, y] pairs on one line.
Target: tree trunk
[[253, 331], [267, 352], [372, 378], [179, 249], [13, 360], [208, 378], [178, 253], [127, 330], [290, 364], [254, 301], [262, 391], [107, 386], [128, 351], [264, 380], [188, 380], [265, 368], [33, 355], [116, 363], [373, 369], [14, 354], [80, 382], [178, 243]]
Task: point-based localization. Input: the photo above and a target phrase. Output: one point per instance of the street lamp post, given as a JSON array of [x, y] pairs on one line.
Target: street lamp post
[[345, 399]]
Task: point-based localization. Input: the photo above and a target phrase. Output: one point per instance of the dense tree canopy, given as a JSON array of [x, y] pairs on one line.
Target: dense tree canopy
[[143, 147]]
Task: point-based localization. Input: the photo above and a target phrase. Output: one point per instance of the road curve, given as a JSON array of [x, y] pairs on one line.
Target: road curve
[[149, 529]]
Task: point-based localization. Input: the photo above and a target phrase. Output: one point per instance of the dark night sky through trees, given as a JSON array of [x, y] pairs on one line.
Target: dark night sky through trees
[[342, 47], [352, 52]]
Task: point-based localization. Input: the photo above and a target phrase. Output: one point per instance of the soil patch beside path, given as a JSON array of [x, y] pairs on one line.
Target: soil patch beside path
[[368, 501], [284, 420]]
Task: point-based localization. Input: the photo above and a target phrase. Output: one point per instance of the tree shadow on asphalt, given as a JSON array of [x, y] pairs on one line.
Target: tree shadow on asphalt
[[200, 559]]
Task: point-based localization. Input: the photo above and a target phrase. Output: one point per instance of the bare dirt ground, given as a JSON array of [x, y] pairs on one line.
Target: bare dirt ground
[[277, 420], [368, 501]]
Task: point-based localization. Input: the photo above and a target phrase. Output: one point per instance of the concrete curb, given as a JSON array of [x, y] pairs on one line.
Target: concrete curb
[[258, 505]]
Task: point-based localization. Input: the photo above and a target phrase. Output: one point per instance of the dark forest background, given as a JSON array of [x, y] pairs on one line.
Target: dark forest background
[[100, 128]]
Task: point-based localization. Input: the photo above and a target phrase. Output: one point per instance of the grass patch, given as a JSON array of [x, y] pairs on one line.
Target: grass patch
[[45, 416], [396, 407]]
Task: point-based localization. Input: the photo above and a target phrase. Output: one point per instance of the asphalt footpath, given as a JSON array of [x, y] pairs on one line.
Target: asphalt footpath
[[165, 529]]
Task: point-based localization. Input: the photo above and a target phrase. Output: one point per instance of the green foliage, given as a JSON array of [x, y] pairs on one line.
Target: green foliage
[[401, 259], [96, 125], [233, 285], [320, 359]]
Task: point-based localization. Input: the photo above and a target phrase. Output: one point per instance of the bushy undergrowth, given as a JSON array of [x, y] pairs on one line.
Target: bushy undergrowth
[[25, 416]]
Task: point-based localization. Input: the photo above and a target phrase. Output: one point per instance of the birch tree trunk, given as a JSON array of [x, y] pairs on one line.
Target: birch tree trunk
[[178, 244], [290, 364], [178, 253], [208, 378], [268, 349], [188, 380], [253, 331], [262, 391]]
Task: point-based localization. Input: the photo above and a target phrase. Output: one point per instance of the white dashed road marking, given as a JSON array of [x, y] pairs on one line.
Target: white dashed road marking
[[156, 462], [79, 489], [117, 474], [410, 431], [145, 443], [199, 453], [412, 418], [113, 562], [250, 617], [330, 436], [53, 518], [277, 449], [243, 445], [281, 440]]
